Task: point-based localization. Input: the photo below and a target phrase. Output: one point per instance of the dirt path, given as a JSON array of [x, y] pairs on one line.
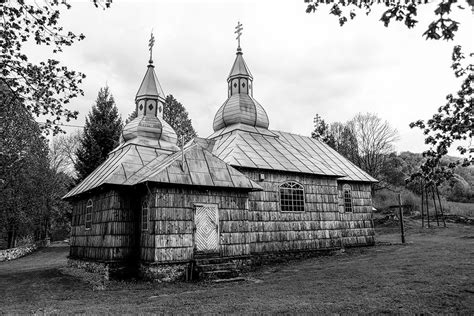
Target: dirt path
[[433, 273], [44, 259]]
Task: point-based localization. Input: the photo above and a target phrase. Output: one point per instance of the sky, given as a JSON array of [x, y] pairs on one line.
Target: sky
[[302, 63]]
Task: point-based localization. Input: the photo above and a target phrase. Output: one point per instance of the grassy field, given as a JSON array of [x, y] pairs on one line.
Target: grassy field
[[463, 209], [432, 273]]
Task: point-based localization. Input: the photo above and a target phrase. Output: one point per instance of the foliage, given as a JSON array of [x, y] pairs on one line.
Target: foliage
[[101, 134], [31, 190], [62, 152], [175, 114], [453, 122], [442, 27], [47, 87], [375, 140], [365, 140]]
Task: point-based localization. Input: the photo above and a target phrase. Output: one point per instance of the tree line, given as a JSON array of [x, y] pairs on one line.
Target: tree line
[[367, 141], [35, 173]]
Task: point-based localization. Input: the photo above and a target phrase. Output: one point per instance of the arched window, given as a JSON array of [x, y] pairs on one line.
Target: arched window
[[291, 197], [89, 214], [347, 196], [145, 215]]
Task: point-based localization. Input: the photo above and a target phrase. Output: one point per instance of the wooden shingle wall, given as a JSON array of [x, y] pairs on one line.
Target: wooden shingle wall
[[357, 227], [320, 226], [272, 230], [111, 236], [171, 228]]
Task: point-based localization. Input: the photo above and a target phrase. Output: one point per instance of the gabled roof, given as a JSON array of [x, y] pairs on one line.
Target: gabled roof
[[118, 167], [133, 164], [336, 161], [150, 86], [255, 150], [200, 168]]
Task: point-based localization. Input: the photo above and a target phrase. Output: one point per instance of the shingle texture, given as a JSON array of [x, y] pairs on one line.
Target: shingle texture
[[133, 164]]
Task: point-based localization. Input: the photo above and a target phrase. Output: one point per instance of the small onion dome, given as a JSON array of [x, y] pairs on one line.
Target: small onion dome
[[150, 131], [240, 108]]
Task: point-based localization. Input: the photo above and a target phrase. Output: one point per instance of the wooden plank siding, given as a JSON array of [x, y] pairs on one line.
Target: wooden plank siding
[[170, 236], [111, 236]]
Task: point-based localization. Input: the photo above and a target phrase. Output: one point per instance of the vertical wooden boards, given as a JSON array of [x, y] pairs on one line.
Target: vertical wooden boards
[[172, 217], [112, 234]]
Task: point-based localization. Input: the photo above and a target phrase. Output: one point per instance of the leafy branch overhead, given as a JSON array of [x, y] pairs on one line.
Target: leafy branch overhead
[[453, 122], [44, 88], [442, 27]]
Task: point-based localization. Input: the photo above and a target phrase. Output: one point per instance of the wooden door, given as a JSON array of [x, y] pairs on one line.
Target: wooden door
[[206, 235]]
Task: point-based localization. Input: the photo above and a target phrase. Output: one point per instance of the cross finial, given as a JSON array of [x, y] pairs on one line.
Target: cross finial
[[238, 31], [150, 45]]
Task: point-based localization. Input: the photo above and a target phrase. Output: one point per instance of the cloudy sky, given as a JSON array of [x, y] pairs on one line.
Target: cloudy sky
[[302, 64]]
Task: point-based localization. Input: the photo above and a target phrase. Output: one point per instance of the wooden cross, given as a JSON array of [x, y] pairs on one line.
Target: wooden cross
[[238, 31]]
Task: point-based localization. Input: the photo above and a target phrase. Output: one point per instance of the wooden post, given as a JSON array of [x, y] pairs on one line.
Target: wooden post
[[402, 229], [440, 207], [422, 207], [427, 206], [435, 207]]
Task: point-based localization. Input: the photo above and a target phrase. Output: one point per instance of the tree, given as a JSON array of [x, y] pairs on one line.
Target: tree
[[453, 122], [62, 153], [175, 114], [365, 140], [344, 140], [101, 134], [23, 171], [45, 88], [375, 140], [442, 27]]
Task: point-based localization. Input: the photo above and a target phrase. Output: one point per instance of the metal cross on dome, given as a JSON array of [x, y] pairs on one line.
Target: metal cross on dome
[[150, 45], [238, 31]]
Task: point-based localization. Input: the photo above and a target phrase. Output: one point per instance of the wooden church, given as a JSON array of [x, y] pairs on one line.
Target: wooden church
[[242, 195]]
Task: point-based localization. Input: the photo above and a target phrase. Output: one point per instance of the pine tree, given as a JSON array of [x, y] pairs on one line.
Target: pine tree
[[101, 134], [175, 114]]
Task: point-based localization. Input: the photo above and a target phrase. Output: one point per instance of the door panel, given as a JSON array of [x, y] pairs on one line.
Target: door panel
[[206, 219]]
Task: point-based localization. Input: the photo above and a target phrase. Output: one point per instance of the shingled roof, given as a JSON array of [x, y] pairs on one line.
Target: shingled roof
[[133, 164], [263, 151], [317, 148]]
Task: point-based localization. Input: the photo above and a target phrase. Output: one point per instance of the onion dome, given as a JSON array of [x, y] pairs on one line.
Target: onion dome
[[149, 128], [240, 107]]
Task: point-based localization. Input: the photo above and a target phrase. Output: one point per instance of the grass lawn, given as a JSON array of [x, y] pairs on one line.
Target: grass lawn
[[463, 209], [432, 273]]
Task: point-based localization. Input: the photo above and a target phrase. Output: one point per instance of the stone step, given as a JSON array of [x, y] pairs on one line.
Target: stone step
[[205, 261], [219, 274], [237, 279], [216, 266]]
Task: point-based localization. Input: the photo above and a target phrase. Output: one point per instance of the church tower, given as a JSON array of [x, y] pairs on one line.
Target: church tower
[[149, 128], [240, 106]]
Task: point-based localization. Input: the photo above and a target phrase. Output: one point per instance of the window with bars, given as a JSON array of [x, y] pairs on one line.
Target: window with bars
[[347, 196], [88, 221], [291, 197], [145, 215]]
